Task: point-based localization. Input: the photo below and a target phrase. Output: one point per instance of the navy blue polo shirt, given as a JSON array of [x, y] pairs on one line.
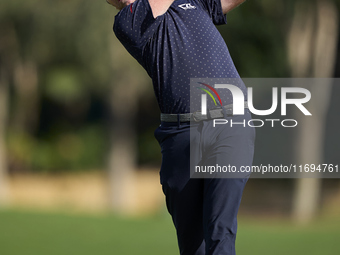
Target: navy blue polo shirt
[[182, 43]]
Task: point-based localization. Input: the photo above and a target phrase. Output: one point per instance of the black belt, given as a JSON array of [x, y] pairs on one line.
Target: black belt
[[197, 116]]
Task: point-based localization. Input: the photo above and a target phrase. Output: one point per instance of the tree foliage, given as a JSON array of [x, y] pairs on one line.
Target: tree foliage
[[61, 121]]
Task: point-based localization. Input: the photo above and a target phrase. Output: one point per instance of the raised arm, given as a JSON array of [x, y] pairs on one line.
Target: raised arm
[[119, 4], [158, 7], [228, 5]]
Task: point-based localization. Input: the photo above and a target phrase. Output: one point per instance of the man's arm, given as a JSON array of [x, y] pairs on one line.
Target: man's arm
[[158, 7], [119, 4], [228, 5]]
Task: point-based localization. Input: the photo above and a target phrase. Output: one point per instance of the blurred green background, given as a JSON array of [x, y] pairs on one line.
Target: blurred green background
[[79, 172]]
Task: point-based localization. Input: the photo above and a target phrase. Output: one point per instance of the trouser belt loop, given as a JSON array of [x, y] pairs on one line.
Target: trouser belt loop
[[225, 114], [208, 114], [178, 120]]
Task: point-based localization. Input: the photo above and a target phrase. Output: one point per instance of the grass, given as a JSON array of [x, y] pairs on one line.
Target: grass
[[282, 238], [37, 233]]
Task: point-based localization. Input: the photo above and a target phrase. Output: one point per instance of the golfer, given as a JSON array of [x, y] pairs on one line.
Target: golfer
[[175, 41]]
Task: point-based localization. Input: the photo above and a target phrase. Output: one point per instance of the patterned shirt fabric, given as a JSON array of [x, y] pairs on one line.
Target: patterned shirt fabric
[[182, 43]]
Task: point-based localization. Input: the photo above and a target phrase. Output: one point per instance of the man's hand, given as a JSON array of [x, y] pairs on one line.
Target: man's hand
[[228, 5], [120, 4]]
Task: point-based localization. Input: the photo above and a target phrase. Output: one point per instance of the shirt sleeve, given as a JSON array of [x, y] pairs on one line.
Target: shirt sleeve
[[130, 27], [214, 9]]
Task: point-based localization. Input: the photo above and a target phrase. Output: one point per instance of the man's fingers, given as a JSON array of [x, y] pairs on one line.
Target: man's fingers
[[110, 2], [117, 3]]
